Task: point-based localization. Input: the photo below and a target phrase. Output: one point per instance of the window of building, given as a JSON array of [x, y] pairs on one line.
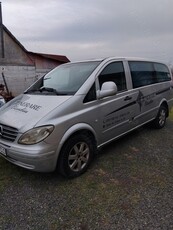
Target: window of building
[[114, 72]]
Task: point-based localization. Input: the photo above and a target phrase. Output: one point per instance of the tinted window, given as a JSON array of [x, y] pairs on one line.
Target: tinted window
[[162, 72], [142, 73], [114, 72]]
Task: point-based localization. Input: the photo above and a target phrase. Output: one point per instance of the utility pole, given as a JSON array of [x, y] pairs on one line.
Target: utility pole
[[2, 55]]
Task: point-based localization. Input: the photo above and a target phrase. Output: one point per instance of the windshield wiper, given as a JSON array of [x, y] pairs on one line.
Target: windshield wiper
[[48, 89], [31, 91], [43, 89], [51, 90]]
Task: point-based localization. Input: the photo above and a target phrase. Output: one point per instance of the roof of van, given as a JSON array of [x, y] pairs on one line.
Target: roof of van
[[121, 59]]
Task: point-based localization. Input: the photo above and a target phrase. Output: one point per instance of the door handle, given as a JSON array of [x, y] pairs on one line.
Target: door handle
[[127, 98]]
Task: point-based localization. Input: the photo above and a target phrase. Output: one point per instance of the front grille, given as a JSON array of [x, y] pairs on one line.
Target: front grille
[[8, 133]]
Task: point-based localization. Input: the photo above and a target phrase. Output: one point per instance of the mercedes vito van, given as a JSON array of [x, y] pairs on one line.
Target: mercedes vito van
[[64, 117]]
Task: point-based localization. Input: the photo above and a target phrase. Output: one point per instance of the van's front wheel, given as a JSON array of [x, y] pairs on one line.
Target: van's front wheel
[[76, 156], [160, 120]]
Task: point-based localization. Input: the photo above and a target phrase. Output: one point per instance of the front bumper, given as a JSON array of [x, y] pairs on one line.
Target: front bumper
[[40, 157]]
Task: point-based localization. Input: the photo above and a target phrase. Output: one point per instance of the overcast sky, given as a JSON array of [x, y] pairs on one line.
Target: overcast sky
[[82, 29]]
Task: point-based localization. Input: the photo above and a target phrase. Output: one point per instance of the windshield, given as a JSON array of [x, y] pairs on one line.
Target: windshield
[[65, 79]]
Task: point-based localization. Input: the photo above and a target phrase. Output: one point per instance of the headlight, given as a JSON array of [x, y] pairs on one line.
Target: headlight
[[35, 135]]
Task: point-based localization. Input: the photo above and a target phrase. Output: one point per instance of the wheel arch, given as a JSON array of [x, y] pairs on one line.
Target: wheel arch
[[165, 104], [77, 129]]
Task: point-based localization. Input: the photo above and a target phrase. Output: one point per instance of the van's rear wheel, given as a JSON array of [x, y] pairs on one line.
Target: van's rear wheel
[[160, 120], [76, 156]]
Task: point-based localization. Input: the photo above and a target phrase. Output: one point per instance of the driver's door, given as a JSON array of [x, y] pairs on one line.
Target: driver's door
[[116, 112]]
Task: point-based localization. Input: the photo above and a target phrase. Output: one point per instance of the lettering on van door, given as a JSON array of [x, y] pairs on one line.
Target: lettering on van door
[[145, 100], [114, 119], [149, 99]]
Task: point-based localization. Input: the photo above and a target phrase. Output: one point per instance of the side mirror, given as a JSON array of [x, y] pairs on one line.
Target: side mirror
[[108, 88]]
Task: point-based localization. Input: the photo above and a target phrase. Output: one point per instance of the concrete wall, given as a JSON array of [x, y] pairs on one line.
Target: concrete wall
[[18, 78]]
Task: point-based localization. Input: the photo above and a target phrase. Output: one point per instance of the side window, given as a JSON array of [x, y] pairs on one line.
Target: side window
[[114, 72], [142, 73], [162, 72], [91, 95]]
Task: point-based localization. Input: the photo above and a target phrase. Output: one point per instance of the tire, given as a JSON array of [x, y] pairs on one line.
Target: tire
[[76, 156], [160, 120]]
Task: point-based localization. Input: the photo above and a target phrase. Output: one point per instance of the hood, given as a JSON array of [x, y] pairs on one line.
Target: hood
[[29, 109]]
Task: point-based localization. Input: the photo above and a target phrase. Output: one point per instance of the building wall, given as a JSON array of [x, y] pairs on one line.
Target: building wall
[[17, 67], [13, 53], [18, 78], [43, 63]]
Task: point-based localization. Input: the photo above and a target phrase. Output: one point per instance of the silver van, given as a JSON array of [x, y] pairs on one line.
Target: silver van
[[63, 118]]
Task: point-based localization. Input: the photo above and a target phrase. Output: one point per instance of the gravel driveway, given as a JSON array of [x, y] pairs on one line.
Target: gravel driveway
[[128, 186]]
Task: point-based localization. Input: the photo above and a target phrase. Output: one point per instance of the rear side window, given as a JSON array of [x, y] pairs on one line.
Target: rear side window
[[147, 73], [162, 72], [114, 72], [142, 73]]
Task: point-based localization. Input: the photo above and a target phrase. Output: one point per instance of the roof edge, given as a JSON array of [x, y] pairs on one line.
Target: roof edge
[[61, 58]]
